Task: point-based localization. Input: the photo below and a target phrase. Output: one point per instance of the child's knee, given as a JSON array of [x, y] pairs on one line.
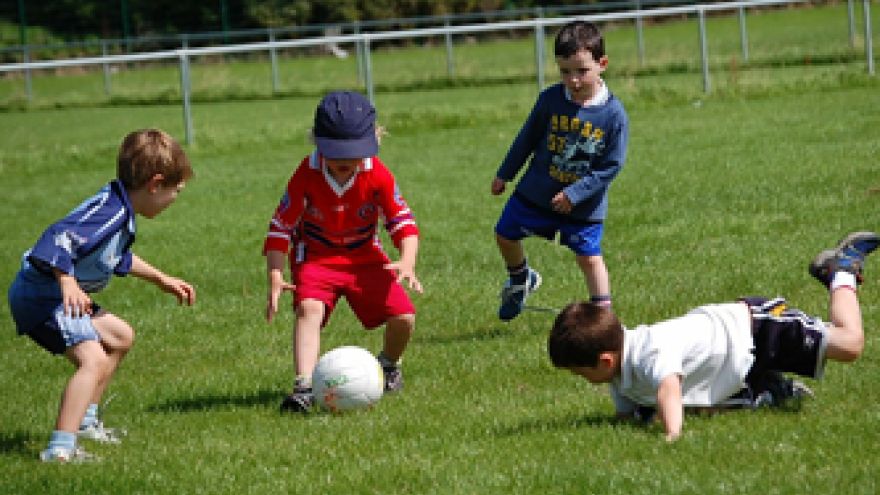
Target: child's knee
[[405, 323]]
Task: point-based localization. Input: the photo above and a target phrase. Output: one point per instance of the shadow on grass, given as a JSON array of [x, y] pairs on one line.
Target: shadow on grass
[[16, 443], [571, 422], [214, 401], [486, 333]]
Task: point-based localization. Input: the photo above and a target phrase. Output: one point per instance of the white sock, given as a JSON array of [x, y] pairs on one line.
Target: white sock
[[843, 279], [91, 416]]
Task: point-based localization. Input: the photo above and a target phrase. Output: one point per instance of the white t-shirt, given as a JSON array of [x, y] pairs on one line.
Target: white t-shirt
[[710, 348]]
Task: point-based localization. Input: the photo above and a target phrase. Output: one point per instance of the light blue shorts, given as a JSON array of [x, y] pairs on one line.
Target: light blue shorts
[[38, 313], [520, 220]]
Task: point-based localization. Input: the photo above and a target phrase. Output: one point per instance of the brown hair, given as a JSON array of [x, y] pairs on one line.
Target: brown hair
[[579, 35], [581, 332], [148, 152]]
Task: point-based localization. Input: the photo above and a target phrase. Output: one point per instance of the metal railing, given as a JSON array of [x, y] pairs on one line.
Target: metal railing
[[363, 41]]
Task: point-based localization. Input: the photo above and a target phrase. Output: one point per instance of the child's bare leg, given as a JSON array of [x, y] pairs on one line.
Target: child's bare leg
[[511, 251], [846, 335], [92, 365], [398, 331], [117, 337], [307, 336], [596, 275]]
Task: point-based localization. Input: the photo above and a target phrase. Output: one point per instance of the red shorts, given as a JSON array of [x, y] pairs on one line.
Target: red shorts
[[373, 292]]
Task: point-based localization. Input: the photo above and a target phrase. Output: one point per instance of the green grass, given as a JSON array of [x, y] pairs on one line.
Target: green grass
[[790, 38], [723, 195]]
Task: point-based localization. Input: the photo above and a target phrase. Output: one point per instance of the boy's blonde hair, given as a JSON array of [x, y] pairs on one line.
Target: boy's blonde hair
[[148, 152]]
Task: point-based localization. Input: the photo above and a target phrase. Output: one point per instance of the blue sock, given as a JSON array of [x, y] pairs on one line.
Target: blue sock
[[91, 416], [62, 439], [519, 274]]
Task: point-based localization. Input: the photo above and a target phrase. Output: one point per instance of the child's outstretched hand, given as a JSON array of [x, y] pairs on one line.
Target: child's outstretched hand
[[406, 272], [277, 285], [561, 203], [498, 186], [182, 290]]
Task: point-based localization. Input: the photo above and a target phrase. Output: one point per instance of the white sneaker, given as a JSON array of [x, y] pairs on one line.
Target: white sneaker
[[62, 455], [97, 432]]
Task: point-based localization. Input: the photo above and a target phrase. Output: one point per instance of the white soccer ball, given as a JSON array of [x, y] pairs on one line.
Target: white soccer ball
[[347, 378]]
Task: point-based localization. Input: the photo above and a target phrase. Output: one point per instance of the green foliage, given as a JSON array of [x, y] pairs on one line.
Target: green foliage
[[723, 195]]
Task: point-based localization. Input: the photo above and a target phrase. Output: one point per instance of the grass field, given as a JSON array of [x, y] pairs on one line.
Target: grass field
[[723, 195]]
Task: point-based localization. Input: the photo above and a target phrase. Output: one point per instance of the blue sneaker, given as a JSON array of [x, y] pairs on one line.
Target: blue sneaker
[[513, 297], [848, 256]]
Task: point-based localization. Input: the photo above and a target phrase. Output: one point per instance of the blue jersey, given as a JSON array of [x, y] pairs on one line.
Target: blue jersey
[[575, 149], [91, 243]]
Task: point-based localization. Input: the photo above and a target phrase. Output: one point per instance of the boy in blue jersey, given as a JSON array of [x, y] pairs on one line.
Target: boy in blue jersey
[[50, 298], [576, 136]]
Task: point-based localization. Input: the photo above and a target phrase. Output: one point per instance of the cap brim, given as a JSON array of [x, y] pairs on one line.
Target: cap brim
[[364, 147]]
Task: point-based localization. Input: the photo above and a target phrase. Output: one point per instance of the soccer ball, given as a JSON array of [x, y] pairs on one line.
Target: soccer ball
[[347, 378]]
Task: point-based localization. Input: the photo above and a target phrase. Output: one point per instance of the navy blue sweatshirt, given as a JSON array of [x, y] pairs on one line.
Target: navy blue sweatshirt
[[575, 149]]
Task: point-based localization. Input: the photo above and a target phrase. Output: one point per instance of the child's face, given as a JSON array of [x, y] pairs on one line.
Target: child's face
[[581, 74], [594, 374], [159, 198], [342, 168]]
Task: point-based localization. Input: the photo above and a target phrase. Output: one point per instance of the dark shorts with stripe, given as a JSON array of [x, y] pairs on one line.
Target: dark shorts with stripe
[[786, 340]]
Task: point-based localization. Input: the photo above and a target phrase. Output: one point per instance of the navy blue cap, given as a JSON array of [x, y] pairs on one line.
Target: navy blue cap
[[345, 126]]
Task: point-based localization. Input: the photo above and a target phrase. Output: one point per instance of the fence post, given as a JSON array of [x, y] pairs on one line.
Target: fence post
[[368, 71], [185, 94], [869, 43], [704, 49], [640, 39], [28, 84], [450, 62], [743, 34], [273, 60], [851, 18], [539, 52], [359, 51], [106, 67]]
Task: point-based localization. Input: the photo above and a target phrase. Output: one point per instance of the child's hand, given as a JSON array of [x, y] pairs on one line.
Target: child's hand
[[406, 272], [498, 186], [76, 302], [561, 203], [183, 291], [277, 285]]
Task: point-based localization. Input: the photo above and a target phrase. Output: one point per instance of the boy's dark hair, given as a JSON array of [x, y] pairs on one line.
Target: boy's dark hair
[[148, 152], [581, 332], [579, 35]]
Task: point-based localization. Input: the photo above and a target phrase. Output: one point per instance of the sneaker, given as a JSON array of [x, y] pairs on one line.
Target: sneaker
[[301, 400], [848, 256], [63, 455], [97, 432], [513, 297], [782, 391], [393, 378]]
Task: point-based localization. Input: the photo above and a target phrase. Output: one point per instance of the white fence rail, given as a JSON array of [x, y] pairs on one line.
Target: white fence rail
[[363, 41]]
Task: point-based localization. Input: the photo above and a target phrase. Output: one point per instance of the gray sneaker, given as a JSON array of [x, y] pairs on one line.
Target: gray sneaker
[[513, 296], [62, 455], [97, 432], [301, 401], [393, 378], [847, 256]]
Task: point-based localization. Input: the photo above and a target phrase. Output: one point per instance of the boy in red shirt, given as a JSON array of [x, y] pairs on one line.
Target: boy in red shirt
[[327, 220]]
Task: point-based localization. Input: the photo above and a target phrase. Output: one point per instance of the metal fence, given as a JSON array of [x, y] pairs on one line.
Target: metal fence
[[363, 42]]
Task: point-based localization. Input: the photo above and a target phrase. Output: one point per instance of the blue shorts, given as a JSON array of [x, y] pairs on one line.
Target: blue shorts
[[520, 220], [38, 313]]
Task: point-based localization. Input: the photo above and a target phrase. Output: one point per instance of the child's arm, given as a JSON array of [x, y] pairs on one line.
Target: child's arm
[[183, 291], [277, 284], [406, 265], [76, 301], [669, 406]]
